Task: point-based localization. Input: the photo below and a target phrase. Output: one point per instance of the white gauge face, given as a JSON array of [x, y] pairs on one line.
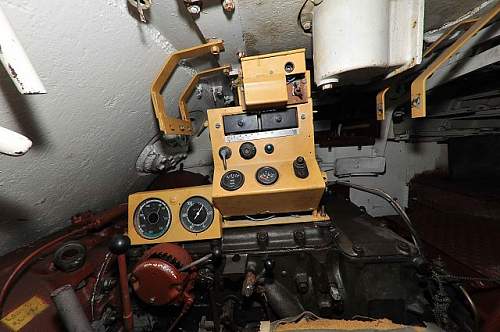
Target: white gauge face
[[197, 214], [152, 218]]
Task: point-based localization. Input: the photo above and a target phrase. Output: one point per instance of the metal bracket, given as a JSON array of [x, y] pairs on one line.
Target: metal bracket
[[171, 125], [447, 34], [188, 90], [418, 87], [381, 104]]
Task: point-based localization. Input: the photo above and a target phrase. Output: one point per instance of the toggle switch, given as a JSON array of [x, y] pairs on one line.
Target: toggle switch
[[225, 154]]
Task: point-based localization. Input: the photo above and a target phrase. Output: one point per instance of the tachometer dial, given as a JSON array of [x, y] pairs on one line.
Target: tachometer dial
[[197, 214], [152, 218]]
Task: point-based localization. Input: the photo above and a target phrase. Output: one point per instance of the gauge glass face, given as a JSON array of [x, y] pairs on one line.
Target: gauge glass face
[[232, 180], [267, 175], [197, 214], [152, 218]]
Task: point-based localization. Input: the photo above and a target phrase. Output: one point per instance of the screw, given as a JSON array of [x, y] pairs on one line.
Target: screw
[[357, 249], [307, 25], [262, 237], [404, 247], [217, 125], [194, 9], [416, 102], [303, 116], [215, 50]]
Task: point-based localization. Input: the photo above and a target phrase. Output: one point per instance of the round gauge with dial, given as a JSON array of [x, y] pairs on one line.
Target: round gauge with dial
[[197, 214], [152, 218], [267, 175], [232, 180]]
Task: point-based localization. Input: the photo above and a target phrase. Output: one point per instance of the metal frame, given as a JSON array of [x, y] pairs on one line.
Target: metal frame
[[418, 87], [188, 90], [171, 125], [381, 104]]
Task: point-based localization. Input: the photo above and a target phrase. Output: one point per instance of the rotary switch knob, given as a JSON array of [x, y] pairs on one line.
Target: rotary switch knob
[[247, 150], [300, 168]]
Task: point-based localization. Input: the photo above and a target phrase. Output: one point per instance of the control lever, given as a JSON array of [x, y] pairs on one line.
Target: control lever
[[119, 246], [224, 154]]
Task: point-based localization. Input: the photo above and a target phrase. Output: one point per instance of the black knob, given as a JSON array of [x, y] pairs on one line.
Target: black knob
[[300, 168], [269, 148], [269, 265], [119, 244], [247, 150]]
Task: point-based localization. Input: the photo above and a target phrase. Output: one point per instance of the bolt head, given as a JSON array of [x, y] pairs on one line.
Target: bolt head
[[307, 25], [194, 9]]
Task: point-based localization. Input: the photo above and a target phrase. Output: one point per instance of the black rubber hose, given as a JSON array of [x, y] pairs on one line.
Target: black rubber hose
[[282, 302]]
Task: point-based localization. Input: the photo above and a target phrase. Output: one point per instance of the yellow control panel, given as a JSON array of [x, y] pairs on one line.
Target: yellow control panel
[[263, 150], [174, 215], [264, 161]]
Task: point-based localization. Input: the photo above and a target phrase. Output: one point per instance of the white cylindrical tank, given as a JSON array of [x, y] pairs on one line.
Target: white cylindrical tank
[[357, 40]]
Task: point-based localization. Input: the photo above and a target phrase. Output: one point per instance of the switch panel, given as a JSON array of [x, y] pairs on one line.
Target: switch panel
[[270, 182]]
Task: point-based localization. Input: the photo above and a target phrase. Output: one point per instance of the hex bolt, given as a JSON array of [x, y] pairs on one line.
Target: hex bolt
[[262, 238], [357, 249], [299, 237]]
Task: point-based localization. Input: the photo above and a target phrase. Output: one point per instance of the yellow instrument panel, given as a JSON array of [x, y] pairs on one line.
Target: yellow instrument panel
[[173, 215], [263, 150], [267, 182]]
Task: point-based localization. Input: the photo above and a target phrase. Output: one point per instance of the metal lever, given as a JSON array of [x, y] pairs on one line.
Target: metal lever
[[225, 153]]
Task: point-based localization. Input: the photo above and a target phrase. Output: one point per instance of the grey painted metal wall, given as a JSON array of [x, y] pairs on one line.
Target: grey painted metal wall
[[97, 63]]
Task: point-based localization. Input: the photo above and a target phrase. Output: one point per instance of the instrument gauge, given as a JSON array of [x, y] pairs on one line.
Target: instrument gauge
[[267, 175], [197, 214], [232, 180], [152, 218]]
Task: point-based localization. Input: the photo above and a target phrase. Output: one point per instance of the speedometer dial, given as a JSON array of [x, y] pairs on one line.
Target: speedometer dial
[[152, 218], [197, 214]]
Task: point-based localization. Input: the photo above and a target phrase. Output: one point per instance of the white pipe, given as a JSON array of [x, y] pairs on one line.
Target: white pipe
[[12, 143], [16, 62]]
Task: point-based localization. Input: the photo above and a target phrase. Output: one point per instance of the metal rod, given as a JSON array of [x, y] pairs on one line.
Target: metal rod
[[196, 262], [128, 319]]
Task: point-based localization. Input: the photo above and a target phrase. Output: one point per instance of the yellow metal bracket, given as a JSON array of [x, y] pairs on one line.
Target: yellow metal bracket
[[446, 34], [188, 90], [171, 125], [418, 87], [381, 104]]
